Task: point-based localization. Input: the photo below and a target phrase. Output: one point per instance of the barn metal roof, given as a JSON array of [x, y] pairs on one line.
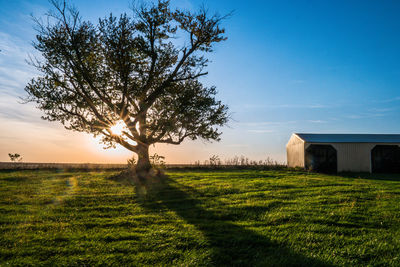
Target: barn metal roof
[[349, 138]]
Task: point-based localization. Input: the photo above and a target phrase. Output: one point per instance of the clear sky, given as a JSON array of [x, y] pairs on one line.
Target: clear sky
[[287, 66]]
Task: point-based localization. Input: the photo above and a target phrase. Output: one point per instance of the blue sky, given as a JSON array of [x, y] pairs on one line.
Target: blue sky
[[287, 66]]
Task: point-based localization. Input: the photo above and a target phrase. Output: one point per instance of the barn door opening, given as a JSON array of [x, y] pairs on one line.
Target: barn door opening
[[385, 159], [321, 158]]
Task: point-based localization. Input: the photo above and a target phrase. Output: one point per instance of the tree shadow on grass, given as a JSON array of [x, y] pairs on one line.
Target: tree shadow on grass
[[231, 244], [372, 176]]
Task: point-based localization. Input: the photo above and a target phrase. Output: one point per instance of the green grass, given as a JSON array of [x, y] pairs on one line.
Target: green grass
[[221, 218]]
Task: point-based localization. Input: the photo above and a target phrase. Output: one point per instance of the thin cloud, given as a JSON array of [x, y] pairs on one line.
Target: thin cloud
[[354, 116], [382, 110], [17, 72], [317, 121], [13, 79], [364, 116], [12, 109]]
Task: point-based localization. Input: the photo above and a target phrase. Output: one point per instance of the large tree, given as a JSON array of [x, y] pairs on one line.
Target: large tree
[[141, 69]]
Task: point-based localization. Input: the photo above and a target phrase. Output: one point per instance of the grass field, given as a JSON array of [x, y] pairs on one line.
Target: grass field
[[221, 218]]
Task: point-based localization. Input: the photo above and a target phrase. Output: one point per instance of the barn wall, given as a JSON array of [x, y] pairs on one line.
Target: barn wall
[[295, 152], [353, 157]]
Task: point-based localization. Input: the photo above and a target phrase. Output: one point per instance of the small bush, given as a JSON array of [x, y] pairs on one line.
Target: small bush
[[15, 157], [157, 161]]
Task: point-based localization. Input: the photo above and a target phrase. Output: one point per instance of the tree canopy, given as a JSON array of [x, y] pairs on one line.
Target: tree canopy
[[142, 69]]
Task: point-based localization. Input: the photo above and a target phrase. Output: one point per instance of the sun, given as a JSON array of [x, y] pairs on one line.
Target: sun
[[118, 128]]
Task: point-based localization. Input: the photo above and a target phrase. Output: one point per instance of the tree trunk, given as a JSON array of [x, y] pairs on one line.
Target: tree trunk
[[143, 166]]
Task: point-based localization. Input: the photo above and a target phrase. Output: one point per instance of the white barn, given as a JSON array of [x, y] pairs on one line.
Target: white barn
[[345, 152]]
